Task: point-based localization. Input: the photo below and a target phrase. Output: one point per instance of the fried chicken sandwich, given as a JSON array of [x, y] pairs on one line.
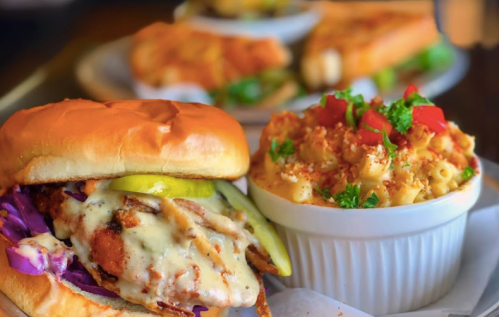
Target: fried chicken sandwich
[[123, 208]]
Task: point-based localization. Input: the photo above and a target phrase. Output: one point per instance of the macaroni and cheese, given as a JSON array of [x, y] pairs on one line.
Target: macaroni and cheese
[[352, 154]]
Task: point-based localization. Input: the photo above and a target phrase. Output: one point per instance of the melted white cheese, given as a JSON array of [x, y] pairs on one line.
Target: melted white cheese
[[46, 245], [159, 257]]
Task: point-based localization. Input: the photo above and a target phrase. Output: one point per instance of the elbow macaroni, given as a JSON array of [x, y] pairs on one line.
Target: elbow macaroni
[[466, 142], [374, 165], [426, 165], [302, 190], [406, 194], [442, 172], [420, 136]]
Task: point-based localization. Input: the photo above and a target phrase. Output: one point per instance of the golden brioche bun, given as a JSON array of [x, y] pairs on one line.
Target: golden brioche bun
[[43, 295], [80, 139]]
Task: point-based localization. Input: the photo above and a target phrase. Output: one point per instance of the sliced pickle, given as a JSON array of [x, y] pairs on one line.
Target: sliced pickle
[[164, 186], [262, 229]]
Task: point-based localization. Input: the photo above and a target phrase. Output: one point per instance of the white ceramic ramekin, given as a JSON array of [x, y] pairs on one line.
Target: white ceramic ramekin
[[380, 260]]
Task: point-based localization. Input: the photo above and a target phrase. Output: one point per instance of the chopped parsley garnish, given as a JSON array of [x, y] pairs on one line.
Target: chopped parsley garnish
[[350, 118], [416, 99], [400, 116], [357, 100], [350, 198], [407, 163], [390, 147], [323, 100], [324, 192], [369, 128], [285, 149], [468, 173], [399, 113], [273, 150], [361, 110], [371, 201]]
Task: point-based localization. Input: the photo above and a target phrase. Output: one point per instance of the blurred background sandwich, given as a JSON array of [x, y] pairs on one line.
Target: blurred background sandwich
[[56, 49], [233, 70], [371, 39]]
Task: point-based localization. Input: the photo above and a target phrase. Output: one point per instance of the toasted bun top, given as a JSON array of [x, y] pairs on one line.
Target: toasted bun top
[[80, 139]]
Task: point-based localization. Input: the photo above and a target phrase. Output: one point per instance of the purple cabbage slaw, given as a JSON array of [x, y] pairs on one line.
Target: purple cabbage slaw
[[198, 309], [79, 195], [23, 220], [78, 275], [37, 262], [24, 265], [28, 212], [14, 228]]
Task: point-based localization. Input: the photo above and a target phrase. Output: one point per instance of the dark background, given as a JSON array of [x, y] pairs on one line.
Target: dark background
[[32, 37], [59, 36]]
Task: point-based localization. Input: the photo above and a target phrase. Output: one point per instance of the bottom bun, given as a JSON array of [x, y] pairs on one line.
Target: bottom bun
[[43, 295]]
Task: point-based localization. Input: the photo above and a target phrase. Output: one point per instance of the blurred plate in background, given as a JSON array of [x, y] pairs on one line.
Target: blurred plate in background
[[288, 29], [105, 74]]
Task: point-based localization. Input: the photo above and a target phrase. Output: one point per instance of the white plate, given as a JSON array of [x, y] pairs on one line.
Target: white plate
[[105, 74], [489, 197], [287, 29]]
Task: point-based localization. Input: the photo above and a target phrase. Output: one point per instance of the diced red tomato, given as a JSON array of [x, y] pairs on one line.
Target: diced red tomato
[[431, 116], [377, 121], [410, 89], [333, 112]]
